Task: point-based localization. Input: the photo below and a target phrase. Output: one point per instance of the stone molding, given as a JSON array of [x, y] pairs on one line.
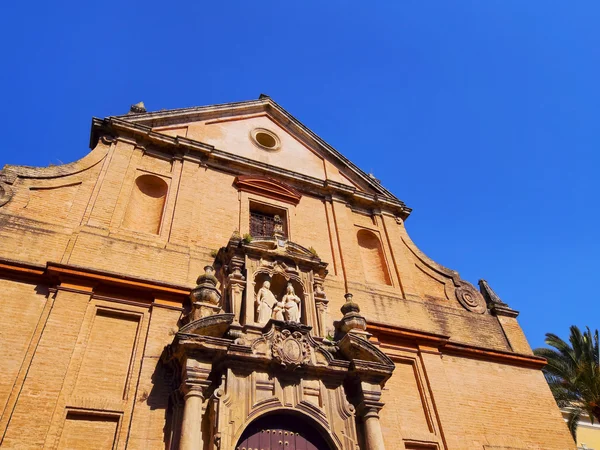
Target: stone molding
[[208, 154], [268, 187], [265, 106], [443, 345]]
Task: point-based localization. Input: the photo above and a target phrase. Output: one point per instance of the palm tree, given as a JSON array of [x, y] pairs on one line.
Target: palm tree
[[573, 374]]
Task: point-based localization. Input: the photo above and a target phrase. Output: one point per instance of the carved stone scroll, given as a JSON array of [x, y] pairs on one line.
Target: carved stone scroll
[[470, 298]]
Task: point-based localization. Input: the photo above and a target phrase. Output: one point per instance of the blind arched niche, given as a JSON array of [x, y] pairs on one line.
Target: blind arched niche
[[146, 204], [373, 261]]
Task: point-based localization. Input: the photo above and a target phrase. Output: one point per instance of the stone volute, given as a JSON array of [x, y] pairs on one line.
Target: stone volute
[[205, 297]]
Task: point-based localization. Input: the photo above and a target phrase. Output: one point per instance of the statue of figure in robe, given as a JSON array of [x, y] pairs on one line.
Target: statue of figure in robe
[[278, 311], [291, 304], [265, 300]]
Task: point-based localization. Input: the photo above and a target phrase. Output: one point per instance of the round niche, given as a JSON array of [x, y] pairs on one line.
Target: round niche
[[265, 139]]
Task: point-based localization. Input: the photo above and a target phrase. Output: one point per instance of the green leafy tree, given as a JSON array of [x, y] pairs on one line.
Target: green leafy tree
[[573, 374]]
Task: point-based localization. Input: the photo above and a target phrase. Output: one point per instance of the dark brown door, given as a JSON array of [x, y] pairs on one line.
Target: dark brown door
[[281, 432]]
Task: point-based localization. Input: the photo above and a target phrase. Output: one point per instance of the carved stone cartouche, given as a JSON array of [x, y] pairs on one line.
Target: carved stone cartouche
[[290, 349]]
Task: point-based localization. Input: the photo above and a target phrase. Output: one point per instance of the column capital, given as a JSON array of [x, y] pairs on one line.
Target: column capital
[[369, 408], [195, 382], [192, 390]]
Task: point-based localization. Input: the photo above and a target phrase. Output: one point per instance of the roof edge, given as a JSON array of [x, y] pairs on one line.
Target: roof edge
[[266, 102]]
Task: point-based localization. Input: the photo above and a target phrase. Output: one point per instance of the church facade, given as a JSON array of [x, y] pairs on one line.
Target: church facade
[[221, 278]]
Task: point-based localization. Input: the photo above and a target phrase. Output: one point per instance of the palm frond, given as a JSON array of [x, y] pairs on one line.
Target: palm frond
[[573, 421], [573, 371]]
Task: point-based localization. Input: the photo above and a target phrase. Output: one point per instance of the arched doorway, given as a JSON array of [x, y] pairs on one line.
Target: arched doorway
[[281, 431]]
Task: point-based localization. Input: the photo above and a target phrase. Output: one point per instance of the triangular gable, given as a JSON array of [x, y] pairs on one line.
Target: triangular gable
[[347, 172]]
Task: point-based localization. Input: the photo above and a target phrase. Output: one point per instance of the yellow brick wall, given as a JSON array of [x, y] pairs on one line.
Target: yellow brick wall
[[23, 307], [501, 405], [53, 348]]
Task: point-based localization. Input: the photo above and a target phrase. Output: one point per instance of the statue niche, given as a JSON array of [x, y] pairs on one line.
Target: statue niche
[[277, 299]]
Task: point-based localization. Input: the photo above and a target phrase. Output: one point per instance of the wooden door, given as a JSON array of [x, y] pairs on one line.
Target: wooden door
[[277, 432]]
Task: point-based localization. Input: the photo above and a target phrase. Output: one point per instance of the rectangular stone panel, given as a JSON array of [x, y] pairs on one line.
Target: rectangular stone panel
[[88, 431], [107, 360], [404, 404]]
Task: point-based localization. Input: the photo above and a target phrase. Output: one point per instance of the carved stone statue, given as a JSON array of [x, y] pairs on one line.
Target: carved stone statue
[[279, 311], [265, 301], [291, 304], [277, 226]]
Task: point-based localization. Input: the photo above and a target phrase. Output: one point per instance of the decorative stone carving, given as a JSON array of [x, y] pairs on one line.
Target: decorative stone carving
[[6, 193], [321, 304], [268, 187], [236, 283], [205, 297], [496, 305], [215, 325], [291, 305], [278, 227], [226, 381], [278, 311], [352, 322], [470, 298], [290, 349], [265, 303], [138, 108], [490, 296]]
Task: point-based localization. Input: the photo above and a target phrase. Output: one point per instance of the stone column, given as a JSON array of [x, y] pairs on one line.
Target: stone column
[[191, 424], [368, 409], [194, 386], [372, 427]]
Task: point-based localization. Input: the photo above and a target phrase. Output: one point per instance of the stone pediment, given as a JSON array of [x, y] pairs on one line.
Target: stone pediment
[[274, 246], [268, 187], [224, 133], [354, 347], [275, 252], [215, 325]]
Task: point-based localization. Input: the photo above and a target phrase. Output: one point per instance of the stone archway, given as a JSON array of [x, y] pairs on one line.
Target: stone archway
[[281, 430]]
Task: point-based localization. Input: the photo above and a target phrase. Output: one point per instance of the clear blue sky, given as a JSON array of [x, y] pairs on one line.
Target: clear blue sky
[[481, 115]]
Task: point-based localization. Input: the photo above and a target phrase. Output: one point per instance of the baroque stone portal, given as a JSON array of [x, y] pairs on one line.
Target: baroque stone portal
[[256, 353]]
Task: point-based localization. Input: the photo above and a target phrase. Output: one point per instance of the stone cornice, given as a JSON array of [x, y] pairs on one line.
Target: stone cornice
[[264, 104], [390, 335], [54, 273], [394, 335], [182, 147]]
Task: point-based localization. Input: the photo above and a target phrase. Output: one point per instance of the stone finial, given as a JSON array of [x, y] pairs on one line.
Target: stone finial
[[488, 293], [350, 306], [352, 322], [138, 108], [494, 303], [205, 297]]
